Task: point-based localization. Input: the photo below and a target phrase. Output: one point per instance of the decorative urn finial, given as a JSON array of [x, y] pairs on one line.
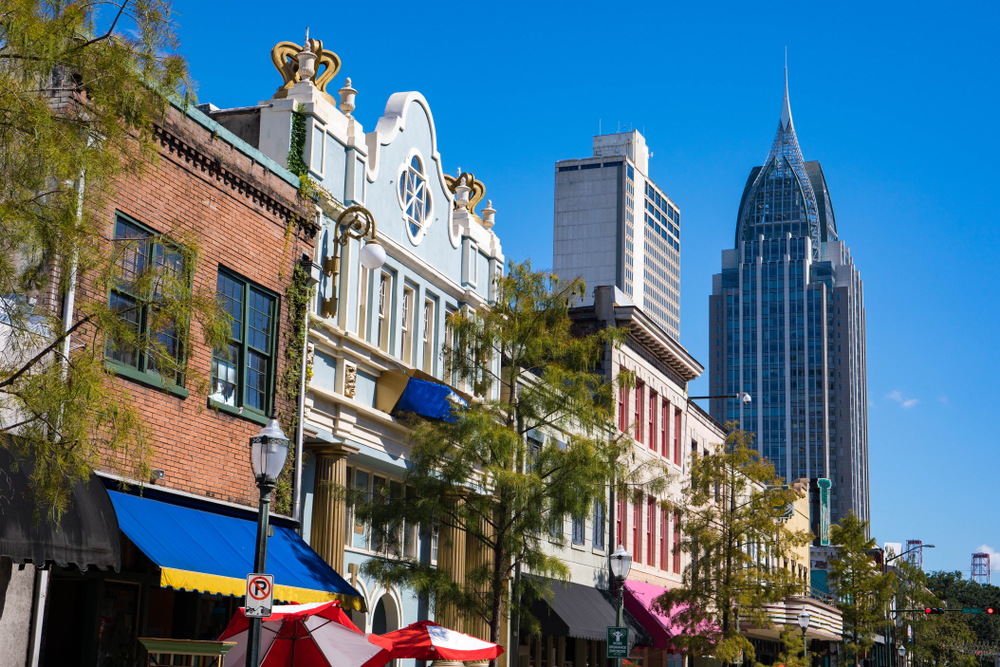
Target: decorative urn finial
[[307, 61], [347, 95], [489, 215], [462, 193]]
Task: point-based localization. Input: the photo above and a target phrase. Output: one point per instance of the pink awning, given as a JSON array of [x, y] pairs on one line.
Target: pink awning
[[639, 597]]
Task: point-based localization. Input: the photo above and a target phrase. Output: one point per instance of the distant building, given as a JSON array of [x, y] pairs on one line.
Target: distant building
[[787, 325], [614, 226]]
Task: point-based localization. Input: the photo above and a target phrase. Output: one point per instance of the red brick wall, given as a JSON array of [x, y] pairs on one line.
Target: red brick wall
[[240, 213]]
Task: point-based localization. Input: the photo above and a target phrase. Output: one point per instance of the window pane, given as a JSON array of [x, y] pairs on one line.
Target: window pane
[[256, 381], [168, 340], [259, 325], [361, 484], [133, 253], [224, 376], [122, 351], [230, 296]]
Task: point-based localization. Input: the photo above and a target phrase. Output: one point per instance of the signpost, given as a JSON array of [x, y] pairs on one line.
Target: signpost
[[617, 642], [260, 595]]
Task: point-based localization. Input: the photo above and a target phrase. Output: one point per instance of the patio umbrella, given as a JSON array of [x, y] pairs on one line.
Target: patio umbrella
[[426, 640], [314, 635]]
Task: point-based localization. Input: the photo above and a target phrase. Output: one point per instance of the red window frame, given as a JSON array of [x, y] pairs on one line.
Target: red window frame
[[677, 542], [677, 436], [664, 544], [665, 428], [622, 408], [640, 389], [652, 420], [651, 531], [637, 529]]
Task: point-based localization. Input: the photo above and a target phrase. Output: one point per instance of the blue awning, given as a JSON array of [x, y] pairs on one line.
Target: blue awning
[[429, 399], [212, 553]]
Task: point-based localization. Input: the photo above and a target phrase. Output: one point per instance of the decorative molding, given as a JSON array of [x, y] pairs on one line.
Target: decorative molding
[[478, 189], [350, 380], [196, 159]]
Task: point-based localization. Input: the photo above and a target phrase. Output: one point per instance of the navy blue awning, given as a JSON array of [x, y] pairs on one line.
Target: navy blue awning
[[429, 399]]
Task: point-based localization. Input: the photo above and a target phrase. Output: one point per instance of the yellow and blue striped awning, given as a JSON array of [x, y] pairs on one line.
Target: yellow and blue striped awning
[[212, 553]]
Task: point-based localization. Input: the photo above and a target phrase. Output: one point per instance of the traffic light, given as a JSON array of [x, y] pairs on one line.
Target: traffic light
[[991, 610], [933, 610]]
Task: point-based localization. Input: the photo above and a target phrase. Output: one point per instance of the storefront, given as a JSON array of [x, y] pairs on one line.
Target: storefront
[[175, 568]]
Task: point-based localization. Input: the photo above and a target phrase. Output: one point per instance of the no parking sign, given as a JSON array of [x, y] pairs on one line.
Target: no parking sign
[[260, 595]]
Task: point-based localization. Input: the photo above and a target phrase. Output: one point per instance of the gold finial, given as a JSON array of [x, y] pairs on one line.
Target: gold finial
[[285, 57]]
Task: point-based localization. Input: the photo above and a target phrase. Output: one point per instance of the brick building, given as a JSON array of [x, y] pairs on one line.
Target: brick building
[[172, 559]]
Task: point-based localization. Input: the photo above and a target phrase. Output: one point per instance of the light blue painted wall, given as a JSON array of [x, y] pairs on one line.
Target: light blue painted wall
[[324, 369]]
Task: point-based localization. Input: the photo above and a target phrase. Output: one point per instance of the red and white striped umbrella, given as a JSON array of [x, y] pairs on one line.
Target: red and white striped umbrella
[[318, 635], [426, 640]]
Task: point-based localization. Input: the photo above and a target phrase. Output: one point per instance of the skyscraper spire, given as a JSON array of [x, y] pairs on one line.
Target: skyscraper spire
[[786, 108]]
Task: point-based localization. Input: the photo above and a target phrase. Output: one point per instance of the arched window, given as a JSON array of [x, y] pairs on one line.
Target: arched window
[[414, 198]]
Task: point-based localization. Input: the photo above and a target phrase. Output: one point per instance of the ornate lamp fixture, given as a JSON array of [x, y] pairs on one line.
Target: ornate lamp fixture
[[356, 222]]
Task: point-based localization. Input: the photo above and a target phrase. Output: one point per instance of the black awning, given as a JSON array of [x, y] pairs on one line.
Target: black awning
[[86, 535], [584, 612]]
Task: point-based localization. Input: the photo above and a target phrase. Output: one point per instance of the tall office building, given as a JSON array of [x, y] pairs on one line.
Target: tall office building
[[787, 325], [614, 226]]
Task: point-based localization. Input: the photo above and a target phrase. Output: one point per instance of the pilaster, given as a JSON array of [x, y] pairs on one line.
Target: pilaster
[[330, 503]]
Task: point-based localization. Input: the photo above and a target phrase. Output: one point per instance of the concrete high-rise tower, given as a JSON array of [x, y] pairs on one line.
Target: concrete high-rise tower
[[614, 226], [787, 325]]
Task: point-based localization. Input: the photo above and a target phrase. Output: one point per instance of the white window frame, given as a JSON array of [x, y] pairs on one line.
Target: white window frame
[[406, 319], [429, 330], [404, 177]]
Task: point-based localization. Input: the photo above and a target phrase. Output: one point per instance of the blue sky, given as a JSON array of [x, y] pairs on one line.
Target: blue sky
[[898, 101]]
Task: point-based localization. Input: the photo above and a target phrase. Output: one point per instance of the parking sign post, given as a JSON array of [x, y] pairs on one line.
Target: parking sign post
[[260, 595]]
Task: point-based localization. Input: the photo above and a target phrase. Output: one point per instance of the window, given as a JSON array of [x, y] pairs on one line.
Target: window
[[243, 373], [453, 342], [621, 522], [677, 436], [664, 529], [405, 542], [639, 389], [664, 423], [414, 198], [652, 420], [428, 336], [579, 526], [637, 529], [598, 537], [363, 303], [651, 530], [407, 320], [677, 542], [384, 322], [144, 264], [622, 409]]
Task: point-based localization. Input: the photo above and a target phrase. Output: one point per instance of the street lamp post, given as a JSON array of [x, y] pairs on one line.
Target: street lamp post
[[885, 567], [621, 563], [268, 450], [804, 624], [902, 655], [356, 222]]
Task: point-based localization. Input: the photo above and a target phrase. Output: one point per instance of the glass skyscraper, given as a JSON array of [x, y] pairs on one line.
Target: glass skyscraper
[[787, 325]]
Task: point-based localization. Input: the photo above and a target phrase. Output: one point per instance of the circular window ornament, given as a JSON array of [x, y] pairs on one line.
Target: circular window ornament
[[414, 197]]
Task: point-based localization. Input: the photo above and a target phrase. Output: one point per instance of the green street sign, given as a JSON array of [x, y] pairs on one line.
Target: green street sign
[[972, 610], [617, 642]]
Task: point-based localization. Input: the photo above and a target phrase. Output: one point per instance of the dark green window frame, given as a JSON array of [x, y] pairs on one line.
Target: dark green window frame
[[243, 375], [134, 363]]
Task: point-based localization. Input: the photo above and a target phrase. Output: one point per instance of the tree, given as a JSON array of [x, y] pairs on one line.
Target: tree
[[482, 476], [732, 517], [793, 649], [863, 590], [80, 90], [938, 639], [959, 592]]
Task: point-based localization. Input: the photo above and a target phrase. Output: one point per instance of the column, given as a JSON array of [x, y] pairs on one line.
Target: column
[[452, 559], [329, 519]]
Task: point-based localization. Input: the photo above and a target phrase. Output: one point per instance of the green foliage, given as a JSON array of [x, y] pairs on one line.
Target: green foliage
[[297, 144], [77, 116], [864, 591], [297, 295], [481, 475], [951, 588], [936, 638], [792, 650], [733, 500]]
